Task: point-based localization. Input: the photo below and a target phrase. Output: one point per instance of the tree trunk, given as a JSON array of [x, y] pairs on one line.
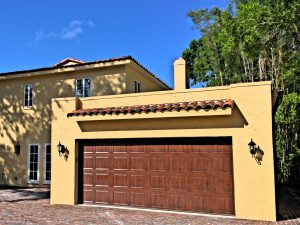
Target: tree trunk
[[272, 70], [260, 68], [244, 63]]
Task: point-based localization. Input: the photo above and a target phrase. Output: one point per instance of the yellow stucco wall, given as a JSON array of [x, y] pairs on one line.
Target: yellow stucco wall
[[147, 83], [33, 125], [251, 117]]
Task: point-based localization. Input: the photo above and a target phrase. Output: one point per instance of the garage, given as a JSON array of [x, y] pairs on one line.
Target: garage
[[186, 174]]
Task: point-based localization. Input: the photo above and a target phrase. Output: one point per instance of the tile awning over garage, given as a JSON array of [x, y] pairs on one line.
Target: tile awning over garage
[[186, 106]]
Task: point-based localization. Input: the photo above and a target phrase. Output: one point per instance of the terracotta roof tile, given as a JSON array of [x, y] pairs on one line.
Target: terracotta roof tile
[[187, 106]]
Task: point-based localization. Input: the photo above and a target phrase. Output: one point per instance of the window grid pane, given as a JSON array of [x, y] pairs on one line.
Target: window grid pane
[[28, 95], [83, 88], [33, 162], [137, 86], [79, 88], [47, 166], [87, 87]]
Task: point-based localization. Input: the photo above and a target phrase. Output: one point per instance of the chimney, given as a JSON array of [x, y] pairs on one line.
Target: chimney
[[181, 77]]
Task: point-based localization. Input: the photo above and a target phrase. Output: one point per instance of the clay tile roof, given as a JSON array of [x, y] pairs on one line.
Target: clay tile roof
[[187, 106]]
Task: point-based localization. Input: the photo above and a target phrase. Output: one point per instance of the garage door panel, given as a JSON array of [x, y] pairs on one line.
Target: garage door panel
[[159, 200], [88, 149], [200, 203], [200, 149], [159, 174], [177, 164], [176, 182], [138, 199], [137, 148], [88, 195], [120, 163], [120, 180], [221, 165], [219, 185], [104, 148], [198, 183], [121, 197], [119, 148], [158, 182], [88, 162], [158, 163], [138, 181], [220, 205], [102, 180], [156, 149], [88, 179], [199, 164], [138, 163], [102, 162], [176, 148], [177, 201], [103, 196]]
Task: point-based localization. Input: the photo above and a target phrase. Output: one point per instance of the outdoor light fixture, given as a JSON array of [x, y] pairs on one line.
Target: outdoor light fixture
[[61, 149], [252, 147], [17, 148], [256, 152]]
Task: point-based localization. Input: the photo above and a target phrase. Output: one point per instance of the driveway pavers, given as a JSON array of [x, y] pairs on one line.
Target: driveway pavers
[[31, 206]]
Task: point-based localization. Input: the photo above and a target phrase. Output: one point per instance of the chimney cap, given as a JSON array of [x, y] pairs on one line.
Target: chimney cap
[[179, 61]]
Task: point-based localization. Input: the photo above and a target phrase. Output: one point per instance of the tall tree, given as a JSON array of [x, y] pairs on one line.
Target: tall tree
[[253, 40]]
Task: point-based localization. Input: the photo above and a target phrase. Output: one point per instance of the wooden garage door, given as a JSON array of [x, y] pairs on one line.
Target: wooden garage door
[[181, 174]]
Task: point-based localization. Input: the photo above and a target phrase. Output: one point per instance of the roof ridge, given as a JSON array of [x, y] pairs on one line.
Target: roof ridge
[[68, 59]]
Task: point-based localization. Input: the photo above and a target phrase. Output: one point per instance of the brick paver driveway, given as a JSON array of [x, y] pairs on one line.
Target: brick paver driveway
[[31, 206]]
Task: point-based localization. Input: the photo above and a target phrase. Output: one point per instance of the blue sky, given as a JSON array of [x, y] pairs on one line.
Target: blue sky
[[38, 34]]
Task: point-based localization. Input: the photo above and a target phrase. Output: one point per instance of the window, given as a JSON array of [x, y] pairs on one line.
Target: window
[[137, 86], [33, 163], [28, 95], [47, 163], [83, 87]]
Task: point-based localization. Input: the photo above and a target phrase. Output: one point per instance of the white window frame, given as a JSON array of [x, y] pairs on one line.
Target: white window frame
[[24, 90], [137, 86], [45, 157], [83, 84], [28, 165]]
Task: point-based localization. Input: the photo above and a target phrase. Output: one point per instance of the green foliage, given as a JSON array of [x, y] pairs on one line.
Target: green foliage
[[287, 121], [253, 40], [248, 41]]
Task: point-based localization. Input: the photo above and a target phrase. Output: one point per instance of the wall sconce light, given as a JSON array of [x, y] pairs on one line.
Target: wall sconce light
[[252, 147], [256, 152], [17, 148], [61, 149]]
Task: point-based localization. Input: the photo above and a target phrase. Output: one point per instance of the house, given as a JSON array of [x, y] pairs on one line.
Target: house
[[25, 121], [182, 149]]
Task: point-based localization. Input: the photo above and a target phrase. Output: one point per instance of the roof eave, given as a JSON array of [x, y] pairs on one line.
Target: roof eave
[[51, 70]]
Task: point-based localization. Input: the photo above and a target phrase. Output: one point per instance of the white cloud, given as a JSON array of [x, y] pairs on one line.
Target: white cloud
[[39, 35], [72, 31]]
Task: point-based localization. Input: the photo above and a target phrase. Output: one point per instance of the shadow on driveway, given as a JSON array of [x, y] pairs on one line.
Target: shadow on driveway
[[16, 194], [36, 202], [288, 203]]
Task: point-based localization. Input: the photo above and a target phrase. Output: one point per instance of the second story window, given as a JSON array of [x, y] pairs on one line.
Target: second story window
[[28, 95], [137, 86], [83, 87]]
